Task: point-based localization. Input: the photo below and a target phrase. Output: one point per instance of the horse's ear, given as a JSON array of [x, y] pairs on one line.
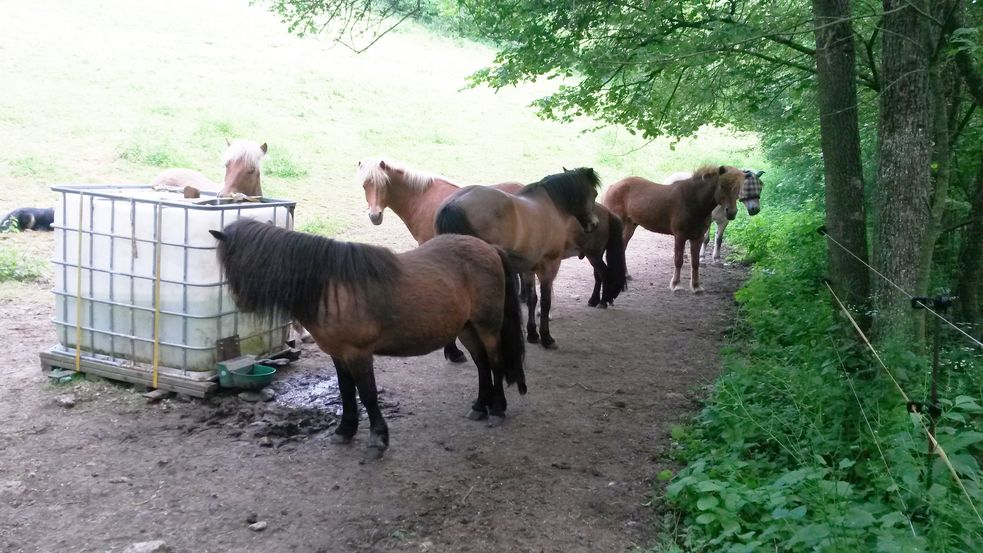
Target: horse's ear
[[383, 165], [263, 147], [227, 141], [564, 169], [722, 170], [219, 235], [759, 173]]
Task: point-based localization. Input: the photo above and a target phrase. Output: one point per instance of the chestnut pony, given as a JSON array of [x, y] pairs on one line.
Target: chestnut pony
[[359, 301], [681, 209], [531, 226], [242, 171], [414, 197], [750, 197]]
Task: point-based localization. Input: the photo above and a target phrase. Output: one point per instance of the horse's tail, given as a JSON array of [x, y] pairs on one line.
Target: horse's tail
[[615, 278], [8, 221], [512, 346], [452, 219]]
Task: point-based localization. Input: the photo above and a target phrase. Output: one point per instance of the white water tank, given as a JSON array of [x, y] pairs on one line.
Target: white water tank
[[119, 274]]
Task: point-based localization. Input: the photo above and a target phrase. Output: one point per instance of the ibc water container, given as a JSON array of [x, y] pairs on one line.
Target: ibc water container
[[119, 251]]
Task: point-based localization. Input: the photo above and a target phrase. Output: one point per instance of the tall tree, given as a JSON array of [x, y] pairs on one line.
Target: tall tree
[[846, 218], [902, 198]]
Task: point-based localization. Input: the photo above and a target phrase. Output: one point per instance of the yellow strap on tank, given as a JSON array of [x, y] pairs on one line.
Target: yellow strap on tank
[[160, 216], [78, 290]]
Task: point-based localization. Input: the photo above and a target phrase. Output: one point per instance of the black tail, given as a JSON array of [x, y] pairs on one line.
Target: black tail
[[615, 279], [451, 219], [512, 345]]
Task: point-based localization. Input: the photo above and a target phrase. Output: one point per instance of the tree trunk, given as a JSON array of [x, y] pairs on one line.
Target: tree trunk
[[969, 281], [846, 220], [902, 204]]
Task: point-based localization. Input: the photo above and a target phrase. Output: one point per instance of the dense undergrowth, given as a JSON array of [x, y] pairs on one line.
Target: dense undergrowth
[[805, 444]]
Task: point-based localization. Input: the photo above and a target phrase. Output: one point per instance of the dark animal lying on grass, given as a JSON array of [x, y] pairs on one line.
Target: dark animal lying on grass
[[28, 218]]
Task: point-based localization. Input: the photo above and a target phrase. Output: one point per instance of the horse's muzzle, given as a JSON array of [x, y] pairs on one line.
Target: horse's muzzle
[[590, 224], [731, 214], [376, 217]]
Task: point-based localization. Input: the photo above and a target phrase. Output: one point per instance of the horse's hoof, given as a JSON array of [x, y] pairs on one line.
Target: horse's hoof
[[340, 439], [603, 305], [532, 338], [628, 277], [551, 344], [496, 421], [476, 415], [455, 356], [592, 303], [373, 453], [698, 290]]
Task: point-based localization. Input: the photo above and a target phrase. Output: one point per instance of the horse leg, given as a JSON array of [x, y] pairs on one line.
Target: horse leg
[[453, 354], [529, 283], [546, 291], [479, 409], [694, 282], [599, 269], [349, 405], [488, 402], [629, 231], [706, 244], [378, 430], [677, 261], [718, 240]]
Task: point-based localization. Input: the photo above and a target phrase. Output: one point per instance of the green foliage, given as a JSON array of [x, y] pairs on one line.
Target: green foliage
[[15, 266], [782, 457]]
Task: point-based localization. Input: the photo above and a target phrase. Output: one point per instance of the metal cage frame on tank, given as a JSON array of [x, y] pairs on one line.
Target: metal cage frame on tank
[[108, 301]]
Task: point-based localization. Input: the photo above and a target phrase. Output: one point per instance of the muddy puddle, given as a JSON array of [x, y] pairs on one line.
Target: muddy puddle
[[306, 404]]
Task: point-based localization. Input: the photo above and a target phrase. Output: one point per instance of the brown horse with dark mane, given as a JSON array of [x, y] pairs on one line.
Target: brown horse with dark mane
[[531, 226], [681, 209], [358, 301]]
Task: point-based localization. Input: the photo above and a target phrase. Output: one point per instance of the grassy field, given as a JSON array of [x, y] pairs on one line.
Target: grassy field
[[114, 93]]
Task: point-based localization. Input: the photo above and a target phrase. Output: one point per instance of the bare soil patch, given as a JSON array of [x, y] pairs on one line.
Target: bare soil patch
[[571, 470]]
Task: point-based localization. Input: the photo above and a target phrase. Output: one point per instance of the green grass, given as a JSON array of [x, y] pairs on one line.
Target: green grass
[[148, 96], [15, 266], [322, 225]]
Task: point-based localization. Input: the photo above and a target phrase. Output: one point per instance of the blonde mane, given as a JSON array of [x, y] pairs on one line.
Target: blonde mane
[[370, 170], [246, 150]]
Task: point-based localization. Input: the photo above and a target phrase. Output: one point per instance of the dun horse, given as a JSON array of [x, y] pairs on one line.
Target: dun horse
[[531, 226], [750, 196], [242, 173], [681, 209], [359, 301]]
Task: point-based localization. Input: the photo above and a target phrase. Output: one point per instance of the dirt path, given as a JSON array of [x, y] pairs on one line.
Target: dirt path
[[571, 470]]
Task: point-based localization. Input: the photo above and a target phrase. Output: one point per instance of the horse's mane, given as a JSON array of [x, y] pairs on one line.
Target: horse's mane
[[370, 170], [704, 171], [246, 150], [272, 270], [569, 190]]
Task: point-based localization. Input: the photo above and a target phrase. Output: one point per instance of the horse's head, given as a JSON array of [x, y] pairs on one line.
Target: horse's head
[[575, 191], [242, 168], [729, 182], [751, 191], [374, 175]]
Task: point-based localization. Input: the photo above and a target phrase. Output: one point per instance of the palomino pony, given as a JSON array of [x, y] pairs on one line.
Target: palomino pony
[[414, 197], [750, 196], [242, 173], [681, 209], [531, 226], [359, 301]]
